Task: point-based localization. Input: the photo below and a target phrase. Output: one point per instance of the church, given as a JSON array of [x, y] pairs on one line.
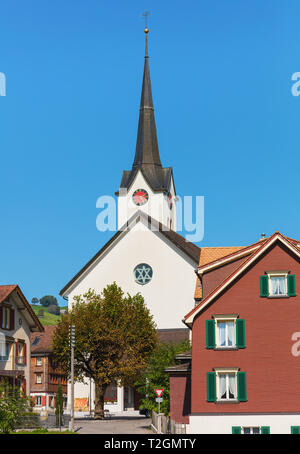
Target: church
[[146, 255]]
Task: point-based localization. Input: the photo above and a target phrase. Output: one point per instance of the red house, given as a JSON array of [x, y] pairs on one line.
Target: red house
[[245, 366]]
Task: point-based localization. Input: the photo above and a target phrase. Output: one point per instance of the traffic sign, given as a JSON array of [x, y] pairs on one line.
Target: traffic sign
[[159, 392], [159, 399]]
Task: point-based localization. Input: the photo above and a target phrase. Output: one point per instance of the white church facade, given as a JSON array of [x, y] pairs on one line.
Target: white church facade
[[146, 254]]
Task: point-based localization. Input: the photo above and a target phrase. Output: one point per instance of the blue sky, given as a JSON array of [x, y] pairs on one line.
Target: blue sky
[[227, 121]]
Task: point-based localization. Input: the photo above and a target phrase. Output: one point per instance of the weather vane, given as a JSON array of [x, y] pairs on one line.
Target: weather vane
[[146, 15]]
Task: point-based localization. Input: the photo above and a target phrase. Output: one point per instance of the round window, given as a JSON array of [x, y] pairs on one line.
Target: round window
[[143, 273]]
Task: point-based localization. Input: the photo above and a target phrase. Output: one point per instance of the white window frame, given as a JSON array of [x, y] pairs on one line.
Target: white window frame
[[271, 274], [39, 382], [36, 401], [225, 318], [222, 371], [251, 430], [39, 361]]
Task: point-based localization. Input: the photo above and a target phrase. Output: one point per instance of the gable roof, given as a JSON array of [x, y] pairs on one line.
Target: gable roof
[[293, 245], [189, 249], [7, 290], [42, 342]]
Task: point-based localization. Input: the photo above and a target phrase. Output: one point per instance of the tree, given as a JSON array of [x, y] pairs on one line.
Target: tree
[[48, 300], [155, 377], [114, 337], [35, 301], [13, 407], [59, 406]]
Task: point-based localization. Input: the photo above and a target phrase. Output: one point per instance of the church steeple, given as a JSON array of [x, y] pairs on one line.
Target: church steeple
[[147, 157], [146, 145]]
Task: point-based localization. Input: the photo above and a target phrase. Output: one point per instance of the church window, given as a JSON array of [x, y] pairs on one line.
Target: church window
[[143, 273]]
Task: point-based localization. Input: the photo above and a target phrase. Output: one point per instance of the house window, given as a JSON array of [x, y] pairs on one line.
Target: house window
[[39, 361], [4, 351], [20, 351], [251, 430], [225, 331], [226, 384], [38, 400], [6, 318], [277, 284], [39, 378]]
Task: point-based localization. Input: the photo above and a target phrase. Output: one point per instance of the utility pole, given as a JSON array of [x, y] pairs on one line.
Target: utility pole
[[72, 343]]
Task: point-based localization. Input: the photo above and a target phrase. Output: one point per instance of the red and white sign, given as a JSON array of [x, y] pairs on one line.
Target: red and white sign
[[159, 392]]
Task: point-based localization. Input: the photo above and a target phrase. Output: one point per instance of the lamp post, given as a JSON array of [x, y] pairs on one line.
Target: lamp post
[[72, 343]]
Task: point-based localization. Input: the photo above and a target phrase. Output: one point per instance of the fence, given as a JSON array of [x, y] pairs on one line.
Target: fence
[[162, 424], [35, 421]]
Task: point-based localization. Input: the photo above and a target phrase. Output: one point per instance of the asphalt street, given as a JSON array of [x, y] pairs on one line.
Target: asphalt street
[[124, 425]]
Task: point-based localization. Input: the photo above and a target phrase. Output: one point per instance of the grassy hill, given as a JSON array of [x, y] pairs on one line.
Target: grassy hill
[[47, 318]]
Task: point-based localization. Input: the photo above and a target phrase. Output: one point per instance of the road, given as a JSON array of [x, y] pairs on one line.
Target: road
[[124, 425]]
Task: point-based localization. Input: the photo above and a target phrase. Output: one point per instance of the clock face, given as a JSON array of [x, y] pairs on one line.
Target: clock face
[[140, 197], [143, 273]]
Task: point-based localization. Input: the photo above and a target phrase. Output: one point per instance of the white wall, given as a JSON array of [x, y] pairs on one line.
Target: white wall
[[169, 295], [222, 424]]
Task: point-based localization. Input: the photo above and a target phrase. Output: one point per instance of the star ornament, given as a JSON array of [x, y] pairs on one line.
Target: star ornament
[[143, 273]]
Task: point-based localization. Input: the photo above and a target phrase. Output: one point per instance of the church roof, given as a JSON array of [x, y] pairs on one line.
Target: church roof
[[147, 158], [189, 249]]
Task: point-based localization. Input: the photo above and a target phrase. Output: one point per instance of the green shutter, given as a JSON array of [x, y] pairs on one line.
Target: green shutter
[[265, 430], [240, 333], [210, 334], [264, 286], [295, 430], [291, 285], [241, 386], [211, 387], [236, 430]]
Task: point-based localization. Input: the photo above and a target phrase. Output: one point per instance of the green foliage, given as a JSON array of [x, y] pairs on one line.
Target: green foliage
[[13, 407], [48, 300], [155, 377], [46, 317], [59, 406], [114, 337]]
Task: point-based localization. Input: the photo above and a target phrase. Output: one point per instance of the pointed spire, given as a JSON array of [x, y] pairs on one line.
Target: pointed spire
[[147, 152], [147, 158]]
